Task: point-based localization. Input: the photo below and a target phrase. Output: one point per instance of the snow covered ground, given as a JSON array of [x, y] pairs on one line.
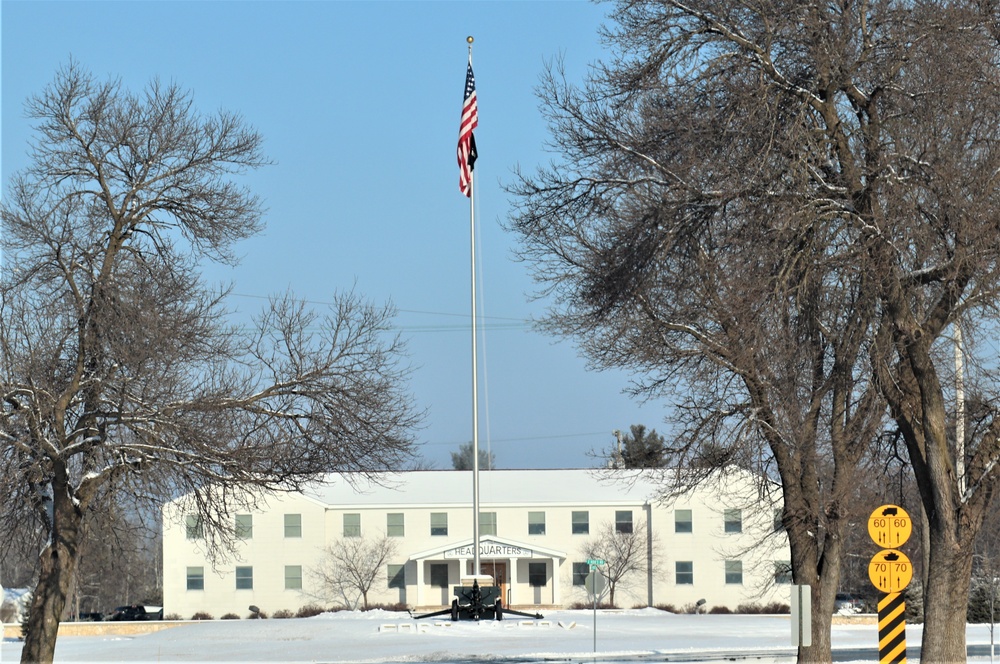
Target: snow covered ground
[[378, 637]]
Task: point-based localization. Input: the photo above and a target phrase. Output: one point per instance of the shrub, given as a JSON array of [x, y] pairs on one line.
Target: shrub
[[669, 608], [720, 610], [202, 615], [230, 616], [398, 606], [309, 610], [283, 613], [257, 615], [590, 605], [172, 616]]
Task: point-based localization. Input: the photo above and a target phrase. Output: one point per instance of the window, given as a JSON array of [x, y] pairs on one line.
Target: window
[[244, 578], [734, 520], [487, 523], [623, 521], [536, 575], [581, 523], [536, 523], [397, 577], [195, 578], [779, 519], [682, 521], [734, 571], [439, 524], [580, 572], [193, 526], [293, 577], [352, 525], [394, 524], [782, 571], [244, 526], [439, 575], [684, 573], [293, 525]]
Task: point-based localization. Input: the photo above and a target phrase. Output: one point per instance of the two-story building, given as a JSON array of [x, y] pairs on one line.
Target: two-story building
[[717, 543]]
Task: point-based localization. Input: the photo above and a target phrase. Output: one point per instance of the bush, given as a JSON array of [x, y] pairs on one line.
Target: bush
[[257, 615], [669, 608], [590, 605], [759, 609], [230, 616], [172, 616], [283, 613], [309, 610], [202, 615], [720, 610], [398, 606]]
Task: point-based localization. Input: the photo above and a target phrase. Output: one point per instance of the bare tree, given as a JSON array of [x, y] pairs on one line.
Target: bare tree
[[777, 212], [352, 565], [121, 379], [624, 552], [691, 233]]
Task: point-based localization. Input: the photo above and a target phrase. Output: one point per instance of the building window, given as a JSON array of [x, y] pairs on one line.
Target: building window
[[581, 523], [394, 524], [734, 520], [623, 521], [439, 524], [536, 523], [293, 525], [782, 572], [195, 578], [580, 572], [536, 575], [734, 571], [488, 523], [193, 526], [293, 577], [244, 526], [684, 573], [439, 575], [682, 521], [244, 578], [397, 577], [352, 525], [779, 519]]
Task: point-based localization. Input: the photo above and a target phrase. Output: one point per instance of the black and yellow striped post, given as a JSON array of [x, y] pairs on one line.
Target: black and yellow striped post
[[892, 629], [890, 571]]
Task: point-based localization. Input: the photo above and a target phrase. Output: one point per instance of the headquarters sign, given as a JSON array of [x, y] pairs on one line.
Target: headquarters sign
[[490, 549]]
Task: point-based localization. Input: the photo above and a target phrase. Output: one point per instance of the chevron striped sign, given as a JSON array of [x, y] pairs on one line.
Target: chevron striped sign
[[892, 629]]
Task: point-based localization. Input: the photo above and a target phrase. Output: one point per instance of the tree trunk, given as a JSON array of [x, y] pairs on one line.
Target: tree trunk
[[946, 596], [821, 572], [57, 565]]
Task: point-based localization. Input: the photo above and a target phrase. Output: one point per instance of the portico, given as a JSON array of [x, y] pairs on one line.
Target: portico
[[526, 573]]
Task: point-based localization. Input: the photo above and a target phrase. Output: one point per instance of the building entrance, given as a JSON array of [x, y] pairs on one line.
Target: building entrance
[[498, 570]]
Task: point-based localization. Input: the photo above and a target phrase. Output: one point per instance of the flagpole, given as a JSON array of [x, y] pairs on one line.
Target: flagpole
[[475, 377]]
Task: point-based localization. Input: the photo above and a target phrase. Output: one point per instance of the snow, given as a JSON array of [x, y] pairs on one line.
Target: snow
[[379, 637]]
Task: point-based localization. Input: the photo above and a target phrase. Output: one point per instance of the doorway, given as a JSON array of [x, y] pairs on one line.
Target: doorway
[[497, 570]]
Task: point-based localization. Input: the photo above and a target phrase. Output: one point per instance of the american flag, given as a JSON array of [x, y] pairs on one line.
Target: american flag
[[466, 141]]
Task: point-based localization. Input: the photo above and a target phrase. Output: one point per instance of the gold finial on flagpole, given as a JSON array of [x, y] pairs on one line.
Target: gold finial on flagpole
[[469, 39]]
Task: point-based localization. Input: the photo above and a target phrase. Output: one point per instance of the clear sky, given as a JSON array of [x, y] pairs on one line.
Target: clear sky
[[359, 104]]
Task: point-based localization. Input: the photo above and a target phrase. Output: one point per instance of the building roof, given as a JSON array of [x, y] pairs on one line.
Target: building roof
[[496, 488]]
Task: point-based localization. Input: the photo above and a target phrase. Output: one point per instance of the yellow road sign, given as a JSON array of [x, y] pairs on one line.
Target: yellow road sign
[[890, 571], [890, 526]]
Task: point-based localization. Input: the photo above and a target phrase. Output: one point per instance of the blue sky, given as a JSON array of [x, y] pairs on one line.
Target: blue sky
[[359, 104]]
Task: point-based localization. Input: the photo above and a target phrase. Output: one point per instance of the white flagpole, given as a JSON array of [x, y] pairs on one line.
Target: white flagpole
[[475, 377]]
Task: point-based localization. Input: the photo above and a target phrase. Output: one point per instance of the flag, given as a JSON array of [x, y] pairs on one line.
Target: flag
[[466, 141]]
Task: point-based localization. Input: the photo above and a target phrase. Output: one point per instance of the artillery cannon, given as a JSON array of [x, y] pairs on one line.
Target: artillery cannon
[[477, 602]]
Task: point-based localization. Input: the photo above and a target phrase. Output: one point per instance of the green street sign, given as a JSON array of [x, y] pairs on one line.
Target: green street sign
[[596, 561]]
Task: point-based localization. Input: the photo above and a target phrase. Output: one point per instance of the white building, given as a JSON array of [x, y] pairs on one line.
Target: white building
[[717, 545]]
